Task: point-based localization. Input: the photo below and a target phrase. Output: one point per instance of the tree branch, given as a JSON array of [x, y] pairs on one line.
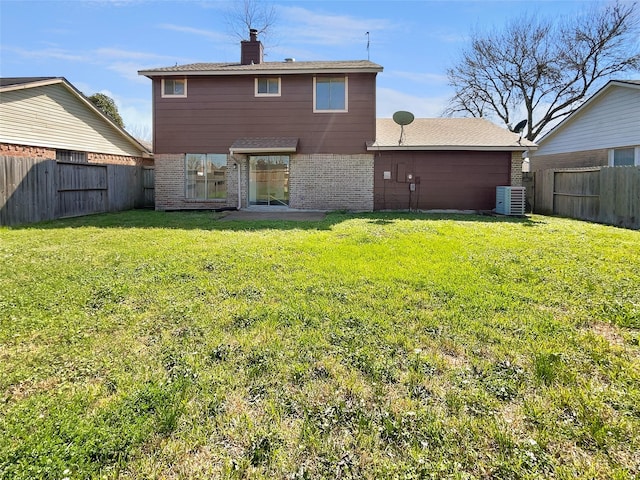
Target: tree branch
[[543, 66]]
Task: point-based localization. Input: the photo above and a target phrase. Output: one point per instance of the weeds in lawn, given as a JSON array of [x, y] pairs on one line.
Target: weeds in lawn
[[156, 345]]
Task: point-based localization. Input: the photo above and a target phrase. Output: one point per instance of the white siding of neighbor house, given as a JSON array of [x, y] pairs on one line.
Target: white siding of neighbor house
[[611, 121], [51, 116]]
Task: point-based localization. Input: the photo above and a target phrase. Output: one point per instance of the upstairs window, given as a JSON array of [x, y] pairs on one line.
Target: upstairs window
[[330, 94], [174, 87], [268, 87]]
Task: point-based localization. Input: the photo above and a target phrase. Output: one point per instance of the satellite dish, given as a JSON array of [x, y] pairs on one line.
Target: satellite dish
[[402, 118], [520, 126]]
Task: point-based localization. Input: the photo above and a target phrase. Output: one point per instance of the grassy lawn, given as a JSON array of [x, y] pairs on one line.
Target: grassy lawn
[[173, 345]]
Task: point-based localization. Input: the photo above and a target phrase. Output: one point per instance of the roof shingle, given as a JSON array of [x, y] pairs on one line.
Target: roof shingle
[[446, 134], [264, 144], [10, 81], [267, 67]]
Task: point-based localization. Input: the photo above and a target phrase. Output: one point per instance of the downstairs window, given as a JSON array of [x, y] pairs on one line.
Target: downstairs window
[[623, 157], [206, 176], [71, 156]]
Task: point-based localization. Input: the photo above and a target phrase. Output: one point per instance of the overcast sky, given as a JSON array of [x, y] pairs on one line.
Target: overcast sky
[[100, 45]]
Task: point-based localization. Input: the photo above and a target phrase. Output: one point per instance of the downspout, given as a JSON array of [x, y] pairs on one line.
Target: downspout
[[239, 188]]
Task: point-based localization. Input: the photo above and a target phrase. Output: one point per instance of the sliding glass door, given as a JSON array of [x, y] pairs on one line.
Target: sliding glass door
[[269, 180]]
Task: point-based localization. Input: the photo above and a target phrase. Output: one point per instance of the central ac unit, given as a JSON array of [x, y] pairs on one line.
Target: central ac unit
[[510, 200]]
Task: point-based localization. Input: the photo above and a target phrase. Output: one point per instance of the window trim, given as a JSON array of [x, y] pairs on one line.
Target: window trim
[[170, 95], [346, 95], [636, 155], [257, 94]]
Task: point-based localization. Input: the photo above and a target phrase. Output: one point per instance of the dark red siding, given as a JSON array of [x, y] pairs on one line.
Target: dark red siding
[[443, 179], [220, 109]]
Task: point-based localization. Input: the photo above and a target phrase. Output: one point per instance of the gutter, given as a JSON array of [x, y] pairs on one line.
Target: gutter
[[391, 148]]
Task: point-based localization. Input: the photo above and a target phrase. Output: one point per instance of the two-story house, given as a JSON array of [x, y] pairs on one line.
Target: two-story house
[[304, 135], [285, 133]]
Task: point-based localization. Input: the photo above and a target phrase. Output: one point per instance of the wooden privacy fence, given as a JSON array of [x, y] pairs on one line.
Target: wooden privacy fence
[[608, 195], [148, 184], [34, 190]]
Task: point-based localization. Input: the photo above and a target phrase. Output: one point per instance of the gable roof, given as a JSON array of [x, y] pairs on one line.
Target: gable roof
[[447, 134], [633, 84], [10, 81], [274, 68], [630, 82], [8, 84]]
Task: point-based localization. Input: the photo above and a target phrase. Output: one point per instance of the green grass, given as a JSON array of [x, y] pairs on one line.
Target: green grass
[[172, 345]]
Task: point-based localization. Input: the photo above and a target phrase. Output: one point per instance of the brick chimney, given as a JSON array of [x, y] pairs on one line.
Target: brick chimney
[[251, 50]]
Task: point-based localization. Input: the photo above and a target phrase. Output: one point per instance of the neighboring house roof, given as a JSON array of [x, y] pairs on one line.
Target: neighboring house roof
[[446, 134], [14, 134], [279, 68], [9, 81], [586, 106]]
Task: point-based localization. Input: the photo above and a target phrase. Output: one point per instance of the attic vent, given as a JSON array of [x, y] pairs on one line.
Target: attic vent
[[510, 200]]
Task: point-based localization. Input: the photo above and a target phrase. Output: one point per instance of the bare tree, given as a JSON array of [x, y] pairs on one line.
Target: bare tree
[[544, 67], [141, 132], [252, 14]]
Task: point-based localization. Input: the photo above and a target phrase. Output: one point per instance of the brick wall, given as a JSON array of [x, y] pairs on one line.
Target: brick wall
[[27, 151], [234, 163], [50, 154], [586, 158], [316, 182], [118, 159], [169, 182], [170, 186], [516, 169], [331, 182]]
